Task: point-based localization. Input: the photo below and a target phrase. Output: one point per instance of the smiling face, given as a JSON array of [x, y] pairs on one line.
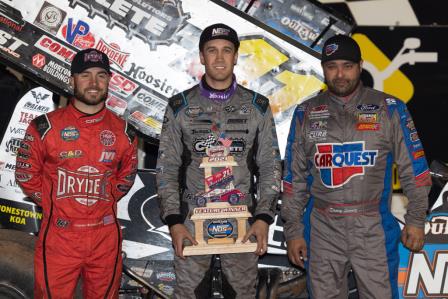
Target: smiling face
[[219, 56], [342, 76], [90, 89]]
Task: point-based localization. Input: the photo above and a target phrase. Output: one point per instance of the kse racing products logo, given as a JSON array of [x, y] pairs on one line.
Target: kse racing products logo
[[338, 163]]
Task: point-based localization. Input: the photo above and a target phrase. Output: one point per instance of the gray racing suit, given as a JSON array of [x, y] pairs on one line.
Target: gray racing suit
[[192, 124], [338, 168]]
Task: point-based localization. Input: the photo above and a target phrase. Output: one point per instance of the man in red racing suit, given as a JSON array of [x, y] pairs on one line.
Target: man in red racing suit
[[76, 163]]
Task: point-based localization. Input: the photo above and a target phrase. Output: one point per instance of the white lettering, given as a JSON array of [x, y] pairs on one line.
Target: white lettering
[[422, 274]]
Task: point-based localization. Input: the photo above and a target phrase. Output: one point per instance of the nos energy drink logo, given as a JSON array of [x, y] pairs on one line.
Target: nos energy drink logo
[[339, 162]]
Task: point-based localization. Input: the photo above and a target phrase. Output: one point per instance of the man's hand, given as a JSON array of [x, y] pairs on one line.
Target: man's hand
[[179, 233], [260, 230], [413, 238], [297, 251]]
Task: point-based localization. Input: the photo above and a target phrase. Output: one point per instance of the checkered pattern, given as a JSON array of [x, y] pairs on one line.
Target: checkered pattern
[[210, 141]]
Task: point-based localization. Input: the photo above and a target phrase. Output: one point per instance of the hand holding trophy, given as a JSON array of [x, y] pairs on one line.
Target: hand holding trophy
[[220, 224]]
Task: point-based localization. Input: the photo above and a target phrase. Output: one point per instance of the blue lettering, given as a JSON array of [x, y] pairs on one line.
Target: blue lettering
[[350, 159], [81, 28], [338, 159], [347, 159]]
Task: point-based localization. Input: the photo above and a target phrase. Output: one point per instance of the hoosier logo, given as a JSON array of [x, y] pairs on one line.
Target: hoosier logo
[[339, 162]]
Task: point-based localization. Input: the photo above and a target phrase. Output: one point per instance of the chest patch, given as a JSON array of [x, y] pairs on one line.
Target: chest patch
[[338, 163]]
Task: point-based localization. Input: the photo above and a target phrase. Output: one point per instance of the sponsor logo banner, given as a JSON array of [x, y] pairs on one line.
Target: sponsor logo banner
[[155, 23], [50, 18], [10, 44], [55, 48], [113, 52]]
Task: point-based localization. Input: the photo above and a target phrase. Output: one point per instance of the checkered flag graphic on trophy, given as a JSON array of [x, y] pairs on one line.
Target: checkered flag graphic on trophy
[[211, 140]]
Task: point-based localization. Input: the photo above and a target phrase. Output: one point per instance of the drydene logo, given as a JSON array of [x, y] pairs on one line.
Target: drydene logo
[[339, 162], [86, 185]]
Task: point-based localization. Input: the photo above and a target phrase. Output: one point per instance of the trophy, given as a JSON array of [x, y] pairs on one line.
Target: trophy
[[219, 222]]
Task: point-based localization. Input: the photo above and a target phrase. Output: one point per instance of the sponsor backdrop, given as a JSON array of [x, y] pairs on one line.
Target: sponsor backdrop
[[154, 53], [15, 210], [153, 49]]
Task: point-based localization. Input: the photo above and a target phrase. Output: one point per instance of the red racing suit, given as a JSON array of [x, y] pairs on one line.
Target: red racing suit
[[76, 167]]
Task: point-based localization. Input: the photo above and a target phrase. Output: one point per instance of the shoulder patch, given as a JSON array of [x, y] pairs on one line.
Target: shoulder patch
[[260, 102], [130, 132], [43, 125], [393, 105], [179, 101]]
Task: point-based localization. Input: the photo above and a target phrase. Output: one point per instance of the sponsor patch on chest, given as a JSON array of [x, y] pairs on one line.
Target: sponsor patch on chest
[[338, 163]]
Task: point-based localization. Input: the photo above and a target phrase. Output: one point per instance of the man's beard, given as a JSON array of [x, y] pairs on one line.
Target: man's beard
[[90, 102], [345, 91]]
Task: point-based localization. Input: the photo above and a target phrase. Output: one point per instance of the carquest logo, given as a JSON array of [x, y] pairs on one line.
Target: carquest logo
[[339, 162]]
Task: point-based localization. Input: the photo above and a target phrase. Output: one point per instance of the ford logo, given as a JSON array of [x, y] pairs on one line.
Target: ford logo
[[367, 107]]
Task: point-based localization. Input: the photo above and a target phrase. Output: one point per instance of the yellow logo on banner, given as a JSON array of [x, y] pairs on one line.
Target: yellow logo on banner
[[260, 57], [392, 80]]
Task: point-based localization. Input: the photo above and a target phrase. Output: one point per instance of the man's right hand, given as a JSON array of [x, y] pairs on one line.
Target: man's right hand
[[179, 233], [297, 251]]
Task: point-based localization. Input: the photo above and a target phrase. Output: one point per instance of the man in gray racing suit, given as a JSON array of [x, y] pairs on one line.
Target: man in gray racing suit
[[338, 165], [214, 114]]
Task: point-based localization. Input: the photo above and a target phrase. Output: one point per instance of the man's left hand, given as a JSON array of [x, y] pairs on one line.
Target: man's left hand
[[413, 238], [260, 230]]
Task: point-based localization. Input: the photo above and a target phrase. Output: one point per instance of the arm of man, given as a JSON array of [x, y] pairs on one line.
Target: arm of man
[[268, 182], [127, 170], [413, 173], [31, 158], [168, 164], [295, 190]]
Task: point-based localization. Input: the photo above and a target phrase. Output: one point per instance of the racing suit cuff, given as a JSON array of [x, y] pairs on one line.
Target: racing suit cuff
[[265, 217], [414, 222], [174, 219]]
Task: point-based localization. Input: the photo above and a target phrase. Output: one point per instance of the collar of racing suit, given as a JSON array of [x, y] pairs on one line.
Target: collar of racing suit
[[86, 120], [217, 95]]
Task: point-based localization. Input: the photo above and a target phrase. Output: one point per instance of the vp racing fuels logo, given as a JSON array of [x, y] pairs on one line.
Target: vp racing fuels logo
[[86, 185], [154, 22], [339, 162]]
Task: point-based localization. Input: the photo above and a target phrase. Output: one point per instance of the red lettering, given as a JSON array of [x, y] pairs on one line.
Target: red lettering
[[120, 83], [46, 42]]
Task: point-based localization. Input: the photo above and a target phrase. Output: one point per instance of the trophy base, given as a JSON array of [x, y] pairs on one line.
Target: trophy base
[[220, 241], [203, 249]]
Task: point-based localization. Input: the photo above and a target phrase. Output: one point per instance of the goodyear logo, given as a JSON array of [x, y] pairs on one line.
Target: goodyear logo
[[340, 162]]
